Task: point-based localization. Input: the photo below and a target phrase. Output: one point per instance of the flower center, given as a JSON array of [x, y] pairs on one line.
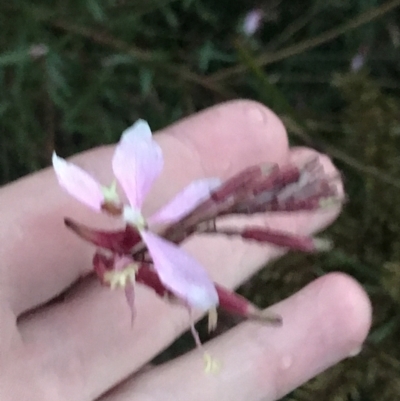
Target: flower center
[[120, 278], [134, 217]]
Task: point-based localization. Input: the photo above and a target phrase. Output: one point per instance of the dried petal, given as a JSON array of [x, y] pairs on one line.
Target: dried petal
[[137, 162], [291, 241], [291, 188], [181, 273], [149, 277], [239, 182], [78, 183], [185, 201], [120, 242], [278, 178]]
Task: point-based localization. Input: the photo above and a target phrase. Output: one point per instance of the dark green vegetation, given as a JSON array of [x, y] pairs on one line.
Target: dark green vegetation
[[73, 75]]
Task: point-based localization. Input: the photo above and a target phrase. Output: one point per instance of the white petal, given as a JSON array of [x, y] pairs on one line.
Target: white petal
[[78, 183], [185, 201], [137, 162], [140, 129], [181, 273]]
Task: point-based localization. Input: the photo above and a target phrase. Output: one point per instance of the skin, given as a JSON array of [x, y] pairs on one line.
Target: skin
[[82, 348]]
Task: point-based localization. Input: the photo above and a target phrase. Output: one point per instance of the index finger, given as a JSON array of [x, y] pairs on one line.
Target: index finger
[[40, 258]]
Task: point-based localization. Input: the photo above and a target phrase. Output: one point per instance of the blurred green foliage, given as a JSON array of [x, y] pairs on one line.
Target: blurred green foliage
[[74, 74]]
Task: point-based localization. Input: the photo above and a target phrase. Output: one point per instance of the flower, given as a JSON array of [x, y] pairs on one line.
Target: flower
[[136, 163], [252, 21], [137, 254]]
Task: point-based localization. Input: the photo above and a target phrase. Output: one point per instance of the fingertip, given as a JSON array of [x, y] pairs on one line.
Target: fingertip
[[337, 306], [352, 309], [324, 323]]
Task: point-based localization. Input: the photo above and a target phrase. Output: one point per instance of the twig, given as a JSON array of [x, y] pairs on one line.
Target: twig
[[308, 44], [106, 39]]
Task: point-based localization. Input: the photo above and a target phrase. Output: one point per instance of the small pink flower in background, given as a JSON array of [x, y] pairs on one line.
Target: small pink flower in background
[[137, 162], [38, 50], [359, 59], [357, 62], [252, 21]]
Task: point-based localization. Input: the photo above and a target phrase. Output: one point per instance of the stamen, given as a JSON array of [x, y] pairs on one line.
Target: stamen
[[134, 217], [212, 319], [110, 193], [326, 203], [194, 332], [211, 365], [120, 278]]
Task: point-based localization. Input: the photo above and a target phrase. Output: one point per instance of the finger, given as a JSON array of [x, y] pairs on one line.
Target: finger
[[95, 318], [40, 258], [324, 323]]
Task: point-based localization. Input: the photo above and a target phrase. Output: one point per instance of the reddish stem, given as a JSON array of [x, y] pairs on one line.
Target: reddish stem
[[121, 241], [240, 306]]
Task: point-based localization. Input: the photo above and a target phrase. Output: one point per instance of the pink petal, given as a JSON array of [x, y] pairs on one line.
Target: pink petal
[[180, 273], [185, 201], [137, 162], [78, 183]]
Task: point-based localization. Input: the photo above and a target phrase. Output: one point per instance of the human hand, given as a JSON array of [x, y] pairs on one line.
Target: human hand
[[82, 347]]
